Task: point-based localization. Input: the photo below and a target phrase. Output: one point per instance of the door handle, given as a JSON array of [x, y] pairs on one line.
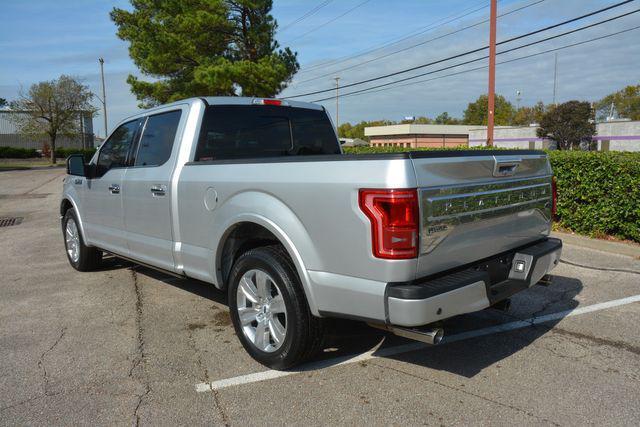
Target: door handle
[[158, 190], [114, 188]]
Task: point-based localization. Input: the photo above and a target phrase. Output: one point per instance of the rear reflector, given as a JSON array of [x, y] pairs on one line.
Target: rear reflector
[[394, 221], [268, 102]]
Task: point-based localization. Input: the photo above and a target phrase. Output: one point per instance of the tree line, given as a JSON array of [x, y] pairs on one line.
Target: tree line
[[228, 48], [577, 116]]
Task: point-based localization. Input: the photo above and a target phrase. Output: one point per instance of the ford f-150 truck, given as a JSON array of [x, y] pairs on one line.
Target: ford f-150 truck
[[255, 197]]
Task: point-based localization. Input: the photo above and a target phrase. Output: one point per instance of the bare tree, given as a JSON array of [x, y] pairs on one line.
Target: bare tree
[[53, 108]]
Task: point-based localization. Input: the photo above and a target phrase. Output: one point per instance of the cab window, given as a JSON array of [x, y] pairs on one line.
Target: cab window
[[113, 153], [258, 131], [157, 139]]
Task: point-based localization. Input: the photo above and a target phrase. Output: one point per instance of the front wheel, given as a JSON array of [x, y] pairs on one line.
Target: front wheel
[[269, 310], [81, 257]]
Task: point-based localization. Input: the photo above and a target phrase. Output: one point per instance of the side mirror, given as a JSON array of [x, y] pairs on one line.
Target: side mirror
[[76, 165]]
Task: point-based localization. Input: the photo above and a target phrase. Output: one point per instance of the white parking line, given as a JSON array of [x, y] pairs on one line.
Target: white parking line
[[405, 348]]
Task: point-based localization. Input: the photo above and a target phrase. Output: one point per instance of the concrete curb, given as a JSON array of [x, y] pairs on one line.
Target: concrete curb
[[619, 248]]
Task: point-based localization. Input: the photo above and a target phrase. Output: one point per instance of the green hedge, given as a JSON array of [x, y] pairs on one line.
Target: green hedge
[[18, 153], [373, 150], [598, 192], [30, 153], [63, 153]]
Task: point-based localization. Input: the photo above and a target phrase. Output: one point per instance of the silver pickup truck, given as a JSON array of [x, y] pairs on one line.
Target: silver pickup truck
[[255, 197]]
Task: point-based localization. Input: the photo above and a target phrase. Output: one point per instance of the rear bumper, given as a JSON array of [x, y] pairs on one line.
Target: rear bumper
[[472, 288]]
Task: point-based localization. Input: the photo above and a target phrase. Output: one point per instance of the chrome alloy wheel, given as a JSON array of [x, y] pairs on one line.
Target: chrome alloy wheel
[[72, 239], [261, 309]]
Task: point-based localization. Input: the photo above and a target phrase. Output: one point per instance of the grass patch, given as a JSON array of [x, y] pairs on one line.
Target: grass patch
[[25, 164]]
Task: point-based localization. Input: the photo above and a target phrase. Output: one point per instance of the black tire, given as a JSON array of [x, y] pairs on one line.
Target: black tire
[[89, 258], [304, 332]]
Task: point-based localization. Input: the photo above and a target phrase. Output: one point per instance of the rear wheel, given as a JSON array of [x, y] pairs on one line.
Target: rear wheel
[[269, 310], [81, 257]]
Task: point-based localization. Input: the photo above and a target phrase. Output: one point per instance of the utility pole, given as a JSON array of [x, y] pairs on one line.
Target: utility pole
[[104, 96], [337, 79], [82, 128], [518, 98], [492, 73], [555, 78]]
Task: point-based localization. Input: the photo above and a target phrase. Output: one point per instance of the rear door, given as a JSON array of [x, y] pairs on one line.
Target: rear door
[[478, 204], [102, 201], [147, 190]]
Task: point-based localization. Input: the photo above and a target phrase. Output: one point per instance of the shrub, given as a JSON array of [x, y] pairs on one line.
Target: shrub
[[63, 153], [28, 153], [598, 192], [18, 153], [394, 149]]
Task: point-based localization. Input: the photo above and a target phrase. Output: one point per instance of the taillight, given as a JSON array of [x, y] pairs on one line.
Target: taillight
[[394, 221], [265, 101], [554, 196]]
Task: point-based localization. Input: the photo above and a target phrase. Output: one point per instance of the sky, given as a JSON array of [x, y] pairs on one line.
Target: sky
[[40, 40]]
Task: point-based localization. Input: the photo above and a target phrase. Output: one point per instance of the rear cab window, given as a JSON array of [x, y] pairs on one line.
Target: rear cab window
[[158, 136], [257, 131]]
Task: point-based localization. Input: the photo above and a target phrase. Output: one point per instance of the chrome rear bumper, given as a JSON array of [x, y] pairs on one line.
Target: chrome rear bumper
[[472, 288]]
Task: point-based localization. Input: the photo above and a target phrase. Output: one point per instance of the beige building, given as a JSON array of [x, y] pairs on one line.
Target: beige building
[[617, 135], [418, 135]]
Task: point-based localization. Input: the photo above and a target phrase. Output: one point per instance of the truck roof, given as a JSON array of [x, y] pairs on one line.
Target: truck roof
[[222, 100], [249, 100]]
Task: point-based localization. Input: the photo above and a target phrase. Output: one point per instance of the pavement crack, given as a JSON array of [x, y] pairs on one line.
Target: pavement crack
[[139, 404], [591, 267], [215, 393], [22, 402], [461, 390], [41, 185], [578, 339], [42, 366], [140, 354], [137, 370], [620, 345]]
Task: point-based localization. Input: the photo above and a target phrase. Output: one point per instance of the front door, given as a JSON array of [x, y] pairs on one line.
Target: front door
[[147, 191], [103, 207]]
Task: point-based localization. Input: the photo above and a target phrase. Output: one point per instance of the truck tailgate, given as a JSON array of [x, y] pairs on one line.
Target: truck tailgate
[[477, 204]]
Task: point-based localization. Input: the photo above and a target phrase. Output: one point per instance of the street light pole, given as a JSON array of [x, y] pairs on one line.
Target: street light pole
[[104, 97], [492, 73], [337, 79]]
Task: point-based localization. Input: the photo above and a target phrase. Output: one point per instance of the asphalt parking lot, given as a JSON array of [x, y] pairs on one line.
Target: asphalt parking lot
[[126, 345]]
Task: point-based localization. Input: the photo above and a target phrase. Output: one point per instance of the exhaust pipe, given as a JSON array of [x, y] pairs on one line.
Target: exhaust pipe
[[431, 336], [503, 305], [545, 281]]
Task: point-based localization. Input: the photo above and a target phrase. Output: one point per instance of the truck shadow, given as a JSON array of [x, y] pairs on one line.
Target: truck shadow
[[465, 355], [202, 289], [478, 340]]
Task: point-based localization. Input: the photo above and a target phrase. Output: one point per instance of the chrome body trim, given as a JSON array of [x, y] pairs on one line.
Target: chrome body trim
[[444, 208]]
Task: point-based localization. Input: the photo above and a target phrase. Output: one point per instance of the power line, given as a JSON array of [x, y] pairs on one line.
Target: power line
[[471, 51], [485, 57], [520, 58], [328, 22], [396, 40], [421, 43], [305, 15], [468, 52]]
